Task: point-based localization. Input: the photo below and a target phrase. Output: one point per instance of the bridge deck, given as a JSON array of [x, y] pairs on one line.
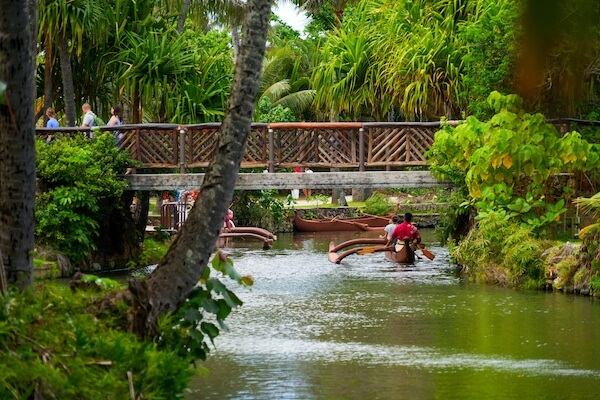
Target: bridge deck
[[317, 180]]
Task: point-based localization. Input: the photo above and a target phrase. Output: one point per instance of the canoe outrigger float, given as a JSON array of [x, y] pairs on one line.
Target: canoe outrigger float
[[402, 253]]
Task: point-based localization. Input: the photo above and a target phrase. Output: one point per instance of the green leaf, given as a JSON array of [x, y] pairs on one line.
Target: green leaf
[[211, 330], [192, 315], [210, 305], [224, 309], [3, 87]]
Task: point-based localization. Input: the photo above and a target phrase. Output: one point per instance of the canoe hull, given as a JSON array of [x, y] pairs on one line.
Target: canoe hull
[[404, 255], [340, 224]]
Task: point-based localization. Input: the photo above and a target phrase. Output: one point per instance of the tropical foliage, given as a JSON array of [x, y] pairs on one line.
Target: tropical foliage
[[512, 164], [36, 350], [47, 330], [502, 252], [409, 57], [360, 60], [79, 186]]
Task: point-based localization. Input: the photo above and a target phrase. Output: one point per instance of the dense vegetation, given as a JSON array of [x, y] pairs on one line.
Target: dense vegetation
[[384, 60], [515, 173], [371, 59], [51, 348], [80, 190]]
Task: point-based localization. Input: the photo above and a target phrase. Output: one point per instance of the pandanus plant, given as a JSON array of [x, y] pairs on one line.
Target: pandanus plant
[[591, 205]]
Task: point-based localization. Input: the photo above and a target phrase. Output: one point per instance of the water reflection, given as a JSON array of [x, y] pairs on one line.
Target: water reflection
[[368, 328]]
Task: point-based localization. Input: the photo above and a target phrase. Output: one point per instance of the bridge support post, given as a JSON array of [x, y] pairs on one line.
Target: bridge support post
[[271, 162], [181, 150], [361, 194], [361, 149]]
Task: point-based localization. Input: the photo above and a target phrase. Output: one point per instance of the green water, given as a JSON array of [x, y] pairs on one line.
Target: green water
[[369, 329]]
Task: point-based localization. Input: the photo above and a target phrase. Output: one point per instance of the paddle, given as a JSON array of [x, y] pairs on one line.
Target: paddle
[[369, 250], [426, 252]]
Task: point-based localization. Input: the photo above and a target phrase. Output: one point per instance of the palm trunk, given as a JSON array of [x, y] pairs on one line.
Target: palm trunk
[[235, 41], [48, 86], [178, 273], [185, 9], [137, 106], [67, 79], [17, 147]]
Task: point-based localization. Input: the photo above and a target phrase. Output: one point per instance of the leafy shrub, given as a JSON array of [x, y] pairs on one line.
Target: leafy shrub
[[260, 208], [153, 250], [502, 252], [510, 163], [56, 343], [265, 112], [378, 204], [79, 185], [52, 347]]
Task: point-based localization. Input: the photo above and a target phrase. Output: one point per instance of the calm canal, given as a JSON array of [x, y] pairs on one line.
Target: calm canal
[[370, 329]]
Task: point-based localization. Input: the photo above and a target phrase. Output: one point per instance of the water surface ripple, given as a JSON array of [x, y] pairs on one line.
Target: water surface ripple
[[371, 329]]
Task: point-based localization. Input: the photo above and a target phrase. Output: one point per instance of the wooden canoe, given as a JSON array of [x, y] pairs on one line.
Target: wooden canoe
[[401, 254], [247, 232], [367, 223]]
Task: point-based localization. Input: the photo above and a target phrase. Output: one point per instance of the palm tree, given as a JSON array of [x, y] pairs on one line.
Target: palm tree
[[285, 79], [152, 68], [62, 26], [17, 148], [345, 78]]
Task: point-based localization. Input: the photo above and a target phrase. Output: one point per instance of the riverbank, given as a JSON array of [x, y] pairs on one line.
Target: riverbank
[[508, 255]]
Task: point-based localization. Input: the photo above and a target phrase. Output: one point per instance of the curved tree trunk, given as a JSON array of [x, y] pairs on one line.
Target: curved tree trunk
[[17, 147], [178, 273], [67, 79]]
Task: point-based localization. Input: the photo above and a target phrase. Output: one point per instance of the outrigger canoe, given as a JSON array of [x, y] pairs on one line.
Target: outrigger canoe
[[364, 223], [250, 232], [402, 253]]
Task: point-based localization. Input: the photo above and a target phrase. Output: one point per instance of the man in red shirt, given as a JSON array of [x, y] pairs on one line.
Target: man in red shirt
[[406, 230]]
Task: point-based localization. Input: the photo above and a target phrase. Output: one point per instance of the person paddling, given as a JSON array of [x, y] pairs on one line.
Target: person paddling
[[406, 230], [389, 228]]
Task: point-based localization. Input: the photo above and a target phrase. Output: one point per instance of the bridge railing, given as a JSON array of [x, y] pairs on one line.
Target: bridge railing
[[278, 145]]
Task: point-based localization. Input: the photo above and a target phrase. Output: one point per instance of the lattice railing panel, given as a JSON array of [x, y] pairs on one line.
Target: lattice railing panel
[[327, 147], [256, 148], [338, 147], [158, 147], [294, 147], [128, 142], [200, 144], [295, 144], [421, 140], [398, 146]]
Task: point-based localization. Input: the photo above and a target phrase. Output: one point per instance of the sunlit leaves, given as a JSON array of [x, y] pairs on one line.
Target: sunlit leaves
[[409, 56], [509, 163], [79, 185]]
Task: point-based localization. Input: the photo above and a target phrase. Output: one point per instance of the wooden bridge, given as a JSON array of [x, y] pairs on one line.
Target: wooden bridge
[[379, 150]]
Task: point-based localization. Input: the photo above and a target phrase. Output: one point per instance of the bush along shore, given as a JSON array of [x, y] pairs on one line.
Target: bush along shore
[[501, 253]]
